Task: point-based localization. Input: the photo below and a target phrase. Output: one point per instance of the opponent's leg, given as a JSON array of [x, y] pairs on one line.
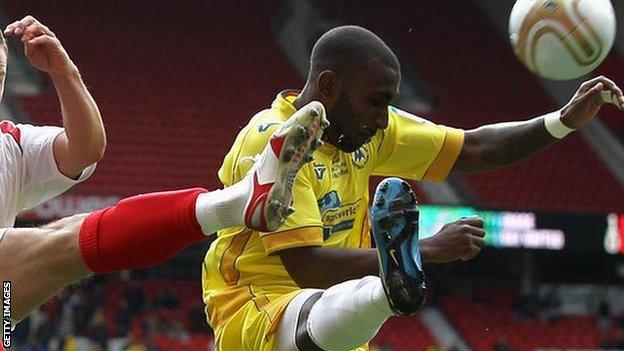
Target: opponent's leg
[[137, 232]]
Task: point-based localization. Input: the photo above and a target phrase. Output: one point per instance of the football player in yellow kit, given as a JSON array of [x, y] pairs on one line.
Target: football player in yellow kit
[[314, 284]]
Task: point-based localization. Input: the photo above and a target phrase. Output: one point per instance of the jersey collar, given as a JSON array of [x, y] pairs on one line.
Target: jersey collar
[[284, 102]]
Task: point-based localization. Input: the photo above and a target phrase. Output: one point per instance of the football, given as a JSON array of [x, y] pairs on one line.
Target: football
[[562, 39]]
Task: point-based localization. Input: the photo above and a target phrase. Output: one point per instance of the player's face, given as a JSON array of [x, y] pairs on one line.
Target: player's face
[[362, 107]]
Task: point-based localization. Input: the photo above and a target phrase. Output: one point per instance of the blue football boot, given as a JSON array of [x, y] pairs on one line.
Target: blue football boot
[[394, 217]]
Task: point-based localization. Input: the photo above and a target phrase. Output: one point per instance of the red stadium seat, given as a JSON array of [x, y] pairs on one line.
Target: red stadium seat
[[405, 334], [483, 324]]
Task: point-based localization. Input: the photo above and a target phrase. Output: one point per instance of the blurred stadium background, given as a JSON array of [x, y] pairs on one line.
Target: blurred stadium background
[[176, 81]]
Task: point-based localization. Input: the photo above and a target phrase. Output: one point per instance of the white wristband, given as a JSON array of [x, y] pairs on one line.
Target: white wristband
[[555, 127]]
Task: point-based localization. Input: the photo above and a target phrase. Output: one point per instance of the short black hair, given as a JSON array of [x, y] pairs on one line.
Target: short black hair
[[344, 48]]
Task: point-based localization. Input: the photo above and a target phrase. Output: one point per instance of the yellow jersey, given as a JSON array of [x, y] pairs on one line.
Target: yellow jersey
[[330, 196]]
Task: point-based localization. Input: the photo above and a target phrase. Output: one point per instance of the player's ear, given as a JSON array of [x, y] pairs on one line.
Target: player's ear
[[329, 86]]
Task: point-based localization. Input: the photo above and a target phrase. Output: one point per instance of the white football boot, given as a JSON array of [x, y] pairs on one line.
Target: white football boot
[[274, 170]]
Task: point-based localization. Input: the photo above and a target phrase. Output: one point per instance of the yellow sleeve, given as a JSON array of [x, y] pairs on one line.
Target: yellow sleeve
[[414, 148], [304, 227]]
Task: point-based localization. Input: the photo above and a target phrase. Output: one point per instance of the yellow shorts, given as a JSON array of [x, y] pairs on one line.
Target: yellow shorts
[[253, 327]]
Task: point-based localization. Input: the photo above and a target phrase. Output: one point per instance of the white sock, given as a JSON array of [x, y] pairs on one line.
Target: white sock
[[222, 208], [349, 314]]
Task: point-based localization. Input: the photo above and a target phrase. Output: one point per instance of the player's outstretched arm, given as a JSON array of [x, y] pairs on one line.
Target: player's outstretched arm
[[496, 145], [84, 140]]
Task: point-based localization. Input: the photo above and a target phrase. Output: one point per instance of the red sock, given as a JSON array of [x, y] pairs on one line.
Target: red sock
[[140, 231]]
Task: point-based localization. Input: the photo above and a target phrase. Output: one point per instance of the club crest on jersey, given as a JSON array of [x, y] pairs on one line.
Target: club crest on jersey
[[319, 169], [263, 127], [336, 217], [360, 157], [339, 167]]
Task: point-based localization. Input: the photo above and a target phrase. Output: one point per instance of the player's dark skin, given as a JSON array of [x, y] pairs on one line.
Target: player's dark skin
[[356, 103]]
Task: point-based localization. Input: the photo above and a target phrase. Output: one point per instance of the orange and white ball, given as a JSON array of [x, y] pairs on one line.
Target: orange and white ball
[[562, 39]]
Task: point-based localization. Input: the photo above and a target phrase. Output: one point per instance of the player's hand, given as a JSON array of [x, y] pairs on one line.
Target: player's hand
[[462, 239], [588, 100], [41, 46]]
